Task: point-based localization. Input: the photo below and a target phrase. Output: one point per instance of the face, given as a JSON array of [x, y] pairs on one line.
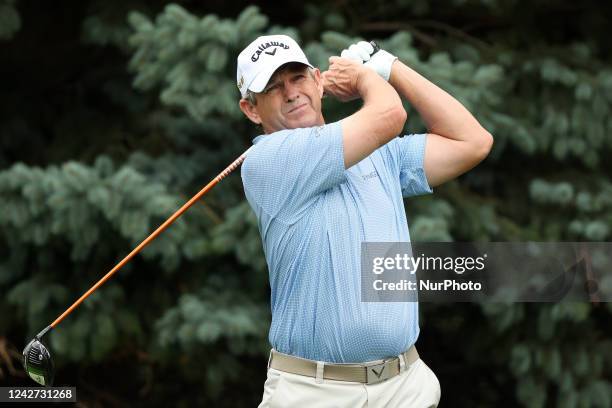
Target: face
[[291, 99]]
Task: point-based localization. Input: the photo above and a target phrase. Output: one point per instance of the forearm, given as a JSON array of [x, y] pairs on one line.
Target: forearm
[[380, 98], [442, 114], [379, 120], [382, 108]]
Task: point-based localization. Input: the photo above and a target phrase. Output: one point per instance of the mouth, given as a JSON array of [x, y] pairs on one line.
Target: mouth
[[297, 109]]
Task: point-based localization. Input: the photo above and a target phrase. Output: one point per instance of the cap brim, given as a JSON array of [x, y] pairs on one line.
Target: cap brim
[[261, 80]]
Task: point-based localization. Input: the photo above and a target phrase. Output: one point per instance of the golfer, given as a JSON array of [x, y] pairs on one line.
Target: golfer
[[319, 190]]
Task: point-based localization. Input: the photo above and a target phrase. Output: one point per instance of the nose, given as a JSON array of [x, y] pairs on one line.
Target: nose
[[291, 92]]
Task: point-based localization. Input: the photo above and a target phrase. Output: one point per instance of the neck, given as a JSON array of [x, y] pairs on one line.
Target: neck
[[319, 122]]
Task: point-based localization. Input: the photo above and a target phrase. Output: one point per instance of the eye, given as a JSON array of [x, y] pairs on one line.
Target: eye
[[270, 88]]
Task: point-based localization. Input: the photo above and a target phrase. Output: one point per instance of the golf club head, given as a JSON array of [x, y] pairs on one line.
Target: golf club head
[[37, 361]]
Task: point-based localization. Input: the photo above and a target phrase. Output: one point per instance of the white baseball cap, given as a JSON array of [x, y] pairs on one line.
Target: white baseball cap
[[261, 58]]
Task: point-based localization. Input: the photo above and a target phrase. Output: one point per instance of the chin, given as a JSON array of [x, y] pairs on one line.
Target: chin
[[306, 121]]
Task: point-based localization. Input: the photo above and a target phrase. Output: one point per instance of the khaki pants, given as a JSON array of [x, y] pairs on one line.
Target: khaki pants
[[417, 386]]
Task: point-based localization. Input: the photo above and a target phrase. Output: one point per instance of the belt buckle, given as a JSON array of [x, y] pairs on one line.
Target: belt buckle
[[380, 372]]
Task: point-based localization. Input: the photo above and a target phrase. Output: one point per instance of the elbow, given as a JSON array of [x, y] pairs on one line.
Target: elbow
[[397, 119], [485, 144], [402, 116]]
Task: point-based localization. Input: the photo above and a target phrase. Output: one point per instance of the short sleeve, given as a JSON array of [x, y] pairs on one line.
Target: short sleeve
[[407, 154], [286, 171]]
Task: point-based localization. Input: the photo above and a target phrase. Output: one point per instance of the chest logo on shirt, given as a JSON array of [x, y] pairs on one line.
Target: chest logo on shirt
[[369, 176]]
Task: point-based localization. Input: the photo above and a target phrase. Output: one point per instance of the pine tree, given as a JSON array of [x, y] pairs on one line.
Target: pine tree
[[98, 157]]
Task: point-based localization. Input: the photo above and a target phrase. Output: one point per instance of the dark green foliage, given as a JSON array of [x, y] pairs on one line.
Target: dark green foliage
[[10, 21], [112, 117]]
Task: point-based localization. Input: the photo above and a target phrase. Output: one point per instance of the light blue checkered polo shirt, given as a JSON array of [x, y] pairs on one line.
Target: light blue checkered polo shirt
[[313, 215]]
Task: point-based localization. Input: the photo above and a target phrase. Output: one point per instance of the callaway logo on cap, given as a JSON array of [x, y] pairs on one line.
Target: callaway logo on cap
[[258, 61]]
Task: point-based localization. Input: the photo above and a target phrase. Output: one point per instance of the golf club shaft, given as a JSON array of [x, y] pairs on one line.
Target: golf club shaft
[[154, 235]]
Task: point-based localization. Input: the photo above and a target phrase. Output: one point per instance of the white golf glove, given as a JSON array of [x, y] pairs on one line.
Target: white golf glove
[[380, 62]]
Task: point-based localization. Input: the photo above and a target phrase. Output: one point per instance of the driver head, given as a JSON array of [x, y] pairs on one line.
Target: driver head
[[38, 363]]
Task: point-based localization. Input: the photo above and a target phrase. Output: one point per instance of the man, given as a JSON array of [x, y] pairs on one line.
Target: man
[[319, 190]]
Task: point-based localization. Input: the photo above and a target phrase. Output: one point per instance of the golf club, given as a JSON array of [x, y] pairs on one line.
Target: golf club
[[37, 359]]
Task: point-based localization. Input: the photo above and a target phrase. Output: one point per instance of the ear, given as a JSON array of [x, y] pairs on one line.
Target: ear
[[250, 111], [318, 81]]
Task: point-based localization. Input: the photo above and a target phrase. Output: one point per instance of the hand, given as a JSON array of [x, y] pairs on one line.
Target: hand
[[380, 62], [341, 80]]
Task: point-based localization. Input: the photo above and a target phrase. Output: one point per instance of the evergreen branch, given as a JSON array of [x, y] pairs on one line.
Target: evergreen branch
[[396, 26]]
